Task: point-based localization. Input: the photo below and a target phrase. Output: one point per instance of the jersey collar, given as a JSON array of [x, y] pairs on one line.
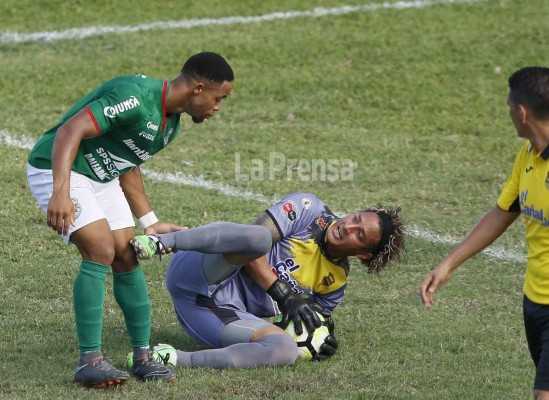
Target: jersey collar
[[164, 113], [545, 153], [323, 245]]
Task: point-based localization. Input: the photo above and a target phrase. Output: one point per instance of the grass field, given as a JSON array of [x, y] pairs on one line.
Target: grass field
[[413, 93]]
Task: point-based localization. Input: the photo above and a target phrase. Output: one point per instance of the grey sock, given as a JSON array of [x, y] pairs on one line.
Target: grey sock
[[220, 238], [183, 358], [270, 350]]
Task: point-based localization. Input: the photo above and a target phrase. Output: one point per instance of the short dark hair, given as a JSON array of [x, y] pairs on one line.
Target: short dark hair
[[208, 65], [529, 86], [391, 245]]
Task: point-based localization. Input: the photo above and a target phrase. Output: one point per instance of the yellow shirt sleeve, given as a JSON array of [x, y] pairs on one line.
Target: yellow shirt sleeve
[[510, 192]]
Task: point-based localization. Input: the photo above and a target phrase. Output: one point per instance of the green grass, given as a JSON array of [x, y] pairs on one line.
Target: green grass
[[412, 96]]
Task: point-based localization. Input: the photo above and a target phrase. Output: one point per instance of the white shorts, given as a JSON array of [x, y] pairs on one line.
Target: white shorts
[[93, 200]]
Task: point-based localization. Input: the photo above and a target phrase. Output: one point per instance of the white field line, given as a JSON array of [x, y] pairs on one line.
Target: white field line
[[495, 252], [81, 33]]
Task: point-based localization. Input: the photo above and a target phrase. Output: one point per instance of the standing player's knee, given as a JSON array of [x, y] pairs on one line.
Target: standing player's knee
[[99, 251], [95, 243], [124, 260]]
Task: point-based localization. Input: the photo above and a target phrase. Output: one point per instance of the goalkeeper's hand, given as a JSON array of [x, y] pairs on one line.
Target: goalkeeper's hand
[[293, 308], [330, 345]]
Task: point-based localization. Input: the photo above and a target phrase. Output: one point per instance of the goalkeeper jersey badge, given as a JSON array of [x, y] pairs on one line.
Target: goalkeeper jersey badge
[[328, 279], [321, 222], [290, 211], [306, 203]]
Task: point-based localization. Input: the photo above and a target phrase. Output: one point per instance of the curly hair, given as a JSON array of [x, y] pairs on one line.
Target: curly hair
[[394, 246]]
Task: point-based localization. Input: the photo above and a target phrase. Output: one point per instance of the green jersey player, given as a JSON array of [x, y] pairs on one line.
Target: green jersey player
[[84, 174]]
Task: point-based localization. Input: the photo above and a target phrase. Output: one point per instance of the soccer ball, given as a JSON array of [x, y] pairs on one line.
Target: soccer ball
[[308, 344], [162, 354]]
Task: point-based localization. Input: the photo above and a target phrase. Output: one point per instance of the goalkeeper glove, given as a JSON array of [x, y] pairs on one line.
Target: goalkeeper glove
[[293, 307], [330, 345]]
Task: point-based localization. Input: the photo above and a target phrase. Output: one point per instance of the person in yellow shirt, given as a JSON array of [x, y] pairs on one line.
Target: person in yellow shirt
[[526, 192]]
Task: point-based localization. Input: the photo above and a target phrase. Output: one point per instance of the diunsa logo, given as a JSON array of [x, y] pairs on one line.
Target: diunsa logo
[[113, 111]]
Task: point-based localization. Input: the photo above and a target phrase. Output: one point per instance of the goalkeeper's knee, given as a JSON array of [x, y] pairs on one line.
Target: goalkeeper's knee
[[281, 348]]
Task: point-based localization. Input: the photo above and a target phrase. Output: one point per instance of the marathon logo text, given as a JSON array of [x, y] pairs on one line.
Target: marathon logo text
[[113, 111], [140, 153]]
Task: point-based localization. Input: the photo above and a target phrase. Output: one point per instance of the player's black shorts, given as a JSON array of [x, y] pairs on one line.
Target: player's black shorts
[[536, 324]]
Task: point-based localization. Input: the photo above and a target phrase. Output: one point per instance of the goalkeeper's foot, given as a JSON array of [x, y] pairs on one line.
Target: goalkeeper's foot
[[99, 374], [165, 354], [147, 246], [162, 353]]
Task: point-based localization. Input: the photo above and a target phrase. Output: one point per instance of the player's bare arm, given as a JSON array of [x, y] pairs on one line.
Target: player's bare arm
[[489, 228], [268, 223], [134, 191], [293, 307], [259, 269], [60, 208], [261, 272]]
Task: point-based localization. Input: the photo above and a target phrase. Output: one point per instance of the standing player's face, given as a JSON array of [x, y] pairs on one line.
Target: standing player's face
[[516, 116], [354, 235], [208, 101]]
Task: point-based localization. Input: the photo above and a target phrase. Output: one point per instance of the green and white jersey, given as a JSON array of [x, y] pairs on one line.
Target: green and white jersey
[[129, 113]]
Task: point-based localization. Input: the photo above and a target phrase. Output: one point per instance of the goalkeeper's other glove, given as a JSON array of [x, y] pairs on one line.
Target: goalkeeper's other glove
[[330, 345], [293, 307]]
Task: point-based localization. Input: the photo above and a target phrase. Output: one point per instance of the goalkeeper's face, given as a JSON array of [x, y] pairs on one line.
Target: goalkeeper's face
[[354, 235]]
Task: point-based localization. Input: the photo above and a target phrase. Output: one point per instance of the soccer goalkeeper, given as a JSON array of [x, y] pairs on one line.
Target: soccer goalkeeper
[[225, 277]]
